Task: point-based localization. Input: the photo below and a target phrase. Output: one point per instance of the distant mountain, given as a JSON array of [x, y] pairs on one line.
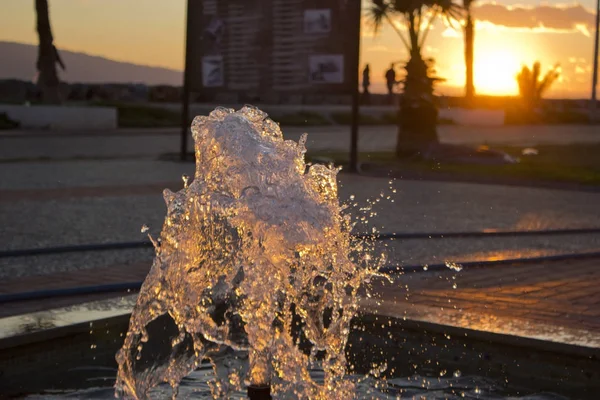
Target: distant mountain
[[17, 61]]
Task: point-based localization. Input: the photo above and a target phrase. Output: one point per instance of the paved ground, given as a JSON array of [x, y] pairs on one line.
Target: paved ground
[[18, 145], [65, 209], [114, 274], [103, 188], [556, 301]]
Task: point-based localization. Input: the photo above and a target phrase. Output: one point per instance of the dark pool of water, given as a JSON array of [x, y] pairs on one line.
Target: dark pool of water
[[196, 386]]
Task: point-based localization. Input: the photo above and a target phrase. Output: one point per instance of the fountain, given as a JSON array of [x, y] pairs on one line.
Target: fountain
[[255, 286], [255, 270]]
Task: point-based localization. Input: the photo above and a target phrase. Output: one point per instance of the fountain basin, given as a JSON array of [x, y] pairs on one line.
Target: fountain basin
[[78, 352]]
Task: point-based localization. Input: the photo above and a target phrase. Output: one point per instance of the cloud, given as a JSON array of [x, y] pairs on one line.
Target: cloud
[[571, 18], [451, 33]]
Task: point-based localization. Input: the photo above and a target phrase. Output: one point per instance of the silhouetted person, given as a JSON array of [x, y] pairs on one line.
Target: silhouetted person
[[366, 82], [390, 78]]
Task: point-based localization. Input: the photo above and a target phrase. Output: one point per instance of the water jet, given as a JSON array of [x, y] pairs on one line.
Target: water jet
[[255, 258], [256, 273]]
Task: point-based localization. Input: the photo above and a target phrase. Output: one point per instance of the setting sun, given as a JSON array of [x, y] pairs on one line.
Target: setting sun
[[495, 72]]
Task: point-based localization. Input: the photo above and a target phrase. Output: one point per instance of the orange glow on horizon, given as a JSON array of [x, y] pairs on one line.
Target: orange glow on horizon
[[495, 72]]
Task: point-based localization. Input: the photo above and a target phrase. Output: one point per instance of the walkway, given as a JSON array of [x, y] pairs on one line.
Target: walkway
[[557, 301], [31, 145], [98, 189]]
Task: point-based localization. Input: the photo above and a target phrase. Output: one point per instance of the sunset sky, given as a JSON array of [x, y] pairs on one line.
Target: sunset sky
[[507, 34]]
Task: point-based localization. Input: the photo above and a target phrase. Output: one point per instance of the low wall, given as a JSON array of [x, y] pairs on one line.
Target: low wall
[[473, 117], [77, 356], [460, 116], [61, 117]]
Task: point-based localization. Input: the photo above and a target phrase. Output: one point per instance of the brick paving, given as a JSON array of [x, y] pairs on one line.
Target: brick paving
[[89, 277], [564, 293], [560, 294]]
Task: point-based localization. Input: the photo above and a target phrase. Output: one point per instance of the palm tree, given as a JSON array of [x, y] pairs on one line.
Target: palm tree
[[469, 41], [532, 85], [418, 114], [47, 56]]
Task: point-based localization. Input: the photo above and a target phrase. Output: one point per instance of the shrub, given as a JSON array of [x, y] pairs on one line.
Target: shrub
[[345, 118], [131, 116], [302, 118], [7, 123]]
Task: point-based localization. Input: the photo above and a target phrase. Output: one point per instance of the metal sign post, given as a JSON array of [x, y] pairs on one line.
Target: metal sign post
[[595, 72], [185, 101], [355, 92]]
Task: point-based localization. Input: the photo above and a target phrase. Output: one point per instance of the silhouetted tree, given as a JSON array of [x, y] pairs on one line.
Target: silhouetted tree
[[532, 85], [47, 56], [469, 32], [418, 113]]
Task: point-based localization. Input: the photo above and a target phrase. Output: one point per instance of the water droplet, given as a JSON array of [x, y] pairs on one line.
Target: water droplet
[[454, 286], [454, 266], [302, 140], [457, 373], [443, 372], [258, 207], [425, 267], [145, 228]]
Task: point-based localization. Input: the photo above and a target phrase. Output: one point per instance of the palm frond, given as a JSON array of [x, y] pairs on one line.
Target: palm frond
[[381, 10], [377, 13], [531, 87], [414, 12], [405, 6], [549, 78]]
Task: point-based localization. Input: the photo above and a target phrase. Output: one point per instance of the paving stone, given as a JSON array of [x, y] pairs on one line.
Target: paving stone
[[567, 301]]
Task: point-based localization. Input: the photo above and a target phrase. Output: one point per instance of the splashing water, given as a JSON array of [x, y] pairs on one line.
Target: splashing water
[[256, 258], [454, 266]]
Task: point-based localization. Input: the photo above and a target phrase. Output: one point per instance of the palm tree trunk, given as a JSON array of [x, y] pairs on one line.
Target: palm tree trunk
[[47, 56], [417, 114], [469, 39]]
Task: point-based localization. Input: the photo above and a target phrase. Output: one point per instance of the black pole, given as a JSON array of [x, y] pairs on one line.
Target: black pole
[[595, 72], [355, 92], [259, 392], [185, 106]]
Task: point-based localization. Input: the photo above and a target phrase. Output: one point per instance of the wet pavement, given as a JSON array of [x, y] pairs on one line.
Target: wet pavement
[[64, 214], [73, 199], [553, 300]]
